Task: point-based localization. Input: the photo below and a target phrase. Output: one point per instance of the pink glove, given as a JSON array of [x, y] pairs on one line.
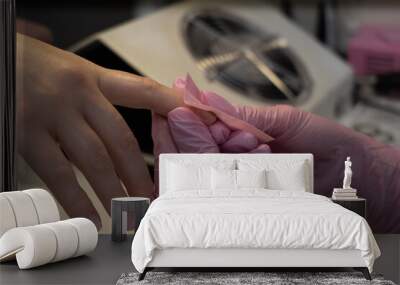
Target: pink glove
[[376, 166]]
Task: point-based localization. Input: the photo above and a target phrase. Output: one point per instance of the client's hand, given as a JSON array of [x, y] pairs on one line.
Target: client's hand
[[65, 114], [375, 165]]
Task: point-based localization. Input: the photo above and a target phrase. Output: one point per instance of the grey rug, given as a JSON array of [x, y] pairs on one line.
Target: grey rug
[[269, 278]]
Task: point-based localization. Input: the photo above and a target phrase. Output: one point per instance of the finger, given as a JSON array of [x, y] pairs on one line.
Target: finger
[[276, 121], [194, 99], [222, 110], [47, 160], [162, 138], [163, 143], [240, 141], [121, 145], [85, 149], [190, 134], [125, 89]]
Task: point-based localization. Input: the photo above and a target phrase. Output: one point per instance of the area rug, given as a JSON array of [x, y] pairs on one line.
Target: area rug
[[243, 278]]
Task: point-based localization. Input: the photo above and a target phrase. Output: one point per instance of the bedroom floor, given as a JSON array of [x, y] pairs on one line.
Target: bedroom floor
[[106, 264], [250, 278], [389, 262]]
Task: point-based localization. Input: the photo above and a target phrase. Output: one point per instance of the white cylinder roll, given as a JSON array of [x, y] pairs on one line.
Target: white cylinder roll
[[87, 235], [36, 244], [23, 208], [45, 205], [7, 218], [67, 239], [40, 244]]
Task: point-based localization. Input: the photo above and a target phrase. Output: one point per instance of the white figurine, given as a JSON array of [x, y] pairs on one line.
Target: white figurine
[[347, 174]]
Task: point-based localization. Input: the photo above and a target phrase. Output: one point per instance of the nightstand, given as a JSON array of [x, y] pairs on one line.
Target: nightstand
[[357, 205]]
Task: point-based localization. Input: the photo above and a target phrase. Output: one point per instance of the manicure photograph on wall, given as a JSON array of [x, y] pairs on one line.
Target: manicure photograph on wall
[[183, 141]]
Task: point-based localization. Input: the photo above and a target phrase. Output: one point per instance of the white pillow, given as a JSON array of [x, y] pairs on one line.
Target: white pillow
[[251, 178], [281, 174], [182, 177], [223, 179], [287, 177]]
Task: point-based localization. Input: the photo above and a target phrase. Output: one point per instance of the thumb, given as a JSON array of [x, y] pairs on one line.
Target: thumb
[[190, 134], [276, 121]]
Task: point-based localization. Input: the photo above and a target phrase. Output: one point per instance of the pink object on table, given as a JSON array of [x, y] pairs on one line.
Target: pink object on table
[[375, 49]]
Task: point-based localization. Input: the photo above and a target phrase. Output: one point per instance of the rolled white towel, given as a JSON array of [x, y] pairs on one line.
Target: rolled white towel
[[26, 208], [67, 240], [7, 218], [23, 208], [45, 205], [87, 234], [33, 246], [40, 244]]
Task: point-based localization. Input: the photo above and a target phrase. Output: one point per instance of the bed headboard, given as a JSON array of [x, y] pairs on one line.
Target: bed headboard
[[205, 158]]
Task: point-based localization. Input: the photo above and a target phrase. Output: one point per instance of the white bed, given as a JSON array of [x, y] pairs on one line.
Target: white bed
[[282, 224]]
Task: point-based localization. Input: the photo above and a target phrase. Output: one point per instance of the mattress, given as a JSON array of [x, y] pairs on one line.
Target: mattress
[[251, 219]]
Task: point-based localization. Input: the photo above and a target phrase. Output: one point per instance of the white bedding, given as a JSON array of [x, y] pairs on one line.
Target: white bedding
[[251, 218]]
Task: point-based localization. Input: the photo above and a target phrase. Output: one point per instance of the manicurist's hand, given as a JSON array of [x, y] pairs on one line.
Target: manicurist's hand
[[376, 167], [65, 115]]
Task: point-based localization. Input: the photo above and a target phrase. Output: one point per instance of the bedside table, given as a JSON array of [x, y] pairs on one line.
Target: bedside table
[[357, 205]]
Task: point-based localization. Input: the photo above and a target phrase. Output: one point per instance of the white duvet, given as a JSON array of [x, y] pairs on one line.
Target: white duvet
[[250, 219]]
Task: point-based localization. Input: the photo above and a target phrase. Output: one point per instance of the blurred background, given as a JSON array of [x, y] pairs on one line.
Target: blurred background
[[339, 59]]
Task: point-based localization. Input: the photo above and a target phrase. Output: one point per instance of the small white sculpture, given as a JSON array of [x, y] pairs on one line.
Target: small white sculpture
[[348, 173]]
